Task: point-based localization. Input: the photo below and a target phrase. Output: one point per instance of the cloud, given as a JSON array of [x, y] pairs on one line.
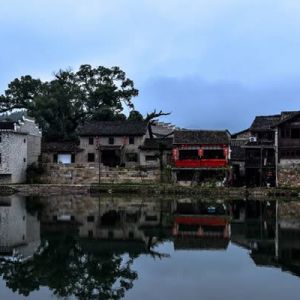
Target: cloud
[[196, 103]]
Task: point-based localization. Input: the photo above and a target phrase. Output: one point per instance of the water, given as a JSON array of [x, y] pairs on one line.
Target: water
[[74, 247]]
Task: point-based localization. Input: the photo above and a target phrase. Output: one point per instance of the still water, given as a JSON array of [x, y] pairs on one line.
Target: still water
[[75, 247]]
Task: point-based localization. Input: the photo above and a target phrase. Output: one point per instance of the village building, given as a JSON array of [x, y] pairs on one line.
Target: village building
[[60, 152], [200, 154], [237, 156], [20, 146], [272, 154], [116, 142], [287, 142], [260, 164]]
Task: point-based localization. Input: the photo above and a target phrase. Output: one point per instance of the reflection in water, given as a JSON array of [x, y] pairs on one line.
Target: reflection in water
[[19, 229], [88, 246]]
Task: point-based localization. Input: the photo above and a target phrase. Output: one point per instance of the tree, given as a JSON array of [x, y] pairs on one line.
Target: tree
[[71, 98]]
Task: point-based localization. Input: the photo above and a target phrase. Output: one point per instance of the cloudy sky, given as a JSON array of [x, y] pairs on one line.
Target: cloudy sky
[[213, 64]]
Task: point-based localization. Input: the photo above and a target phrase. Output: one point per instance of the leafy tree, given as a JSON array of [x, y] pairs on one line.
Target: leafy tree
[[71, 98], [135, 115]]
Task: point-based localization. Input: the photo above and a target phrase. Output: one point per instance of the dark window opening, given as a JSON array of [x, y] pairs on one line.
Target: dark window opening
[[151, 158], [110, 234], [151, 218], [24, 140], [91, 157], [90, 218], [295, 133], [90, 233], [131, 157], [290, 153], [0, 158], [111, 140], [188, 227], [131, 140], [131, 235], [55, 158], [188, 154], [24, 159], [0, 137], [91, 141], [214, 154]]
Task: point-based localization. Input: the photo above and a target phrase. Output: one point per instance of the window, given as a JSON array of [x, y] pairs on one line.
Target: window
[[151, 158], [295, 133], [24, 141], [24, 159], [214, 154], [91, 141], [91, 157], [188, 154], [0, 137], [90, 218], [111, 140], [131, 140], [0, 158], [131, 157]]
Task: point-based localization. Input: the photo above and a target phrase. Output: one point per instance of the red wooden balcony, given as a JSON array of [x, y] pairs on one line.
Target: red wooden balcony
[[201, 163]]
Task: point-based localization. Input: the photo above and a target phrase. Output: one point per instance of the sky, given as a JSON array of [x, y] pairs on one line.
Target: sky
[[213, 64]]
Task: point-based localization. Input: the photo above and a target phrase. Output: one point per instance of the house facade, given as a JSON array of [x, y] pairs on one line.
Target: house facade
[[20, 146], [287, 143], [113, 143], [260, 163], [237, 156], [199, 151]]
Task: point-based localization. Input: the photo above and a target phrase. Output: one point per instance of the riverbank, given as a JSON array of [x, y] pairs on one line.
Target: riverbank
[[147, 189]]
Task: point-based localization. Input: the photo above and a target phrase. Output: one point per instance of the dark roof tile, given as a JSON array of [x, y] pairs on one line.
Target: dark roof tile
[[60, 147], [114, 128], [154, 144], [201, 137]]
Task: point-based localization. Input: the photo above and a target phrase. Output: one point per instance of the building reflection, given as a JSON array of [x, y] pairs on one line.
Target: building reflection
[[19, 229], [99, 238]]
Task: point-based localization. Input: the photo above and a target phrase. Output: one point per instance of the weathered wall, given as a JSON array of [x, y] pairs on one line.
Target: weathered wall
[[118, 141], [13, 149], [289, 176], [89, 173], [13, 223], [33, 140]]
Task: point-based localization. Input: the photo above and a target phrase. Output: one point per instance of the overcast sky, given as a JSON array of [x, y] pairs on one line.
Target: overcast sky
[[213, 64]]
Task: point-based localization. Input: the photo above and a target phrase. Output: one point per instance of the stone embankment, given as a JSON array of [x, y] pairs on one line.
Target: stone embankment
[[149, 189]]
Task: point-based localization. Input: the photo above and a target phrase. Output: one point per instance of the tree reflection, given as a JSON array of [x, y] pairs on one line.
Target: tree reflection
[[63, 266]]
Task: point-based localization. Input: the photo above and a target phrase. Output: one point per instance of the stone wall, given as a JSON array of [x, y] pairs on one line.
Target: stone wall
[[13, 149], [89, 174], [289, 176]]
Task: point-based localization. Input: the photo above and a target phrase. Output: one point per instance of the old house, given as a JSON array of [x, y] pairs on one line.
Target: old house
[[237, 156], [272, 154], [260, 165], [117, 142], [156, 152], [20, 146], [200, 153], [287, 142], [60, 152]]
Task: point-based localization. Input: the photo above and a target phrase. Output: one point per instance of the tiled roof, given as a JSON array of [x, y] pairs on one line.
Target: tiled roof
[[265, 122], [154, 144], [60, 147], [114, 128], [201, 137]]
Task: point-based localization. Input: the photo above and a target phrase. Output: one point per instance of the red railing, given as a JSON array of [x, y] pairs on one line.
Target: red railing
[[202, 163]]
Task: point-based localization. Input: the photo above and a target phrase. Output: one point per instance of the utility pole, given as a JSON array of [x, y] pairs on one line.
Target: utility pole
[[99, 164]]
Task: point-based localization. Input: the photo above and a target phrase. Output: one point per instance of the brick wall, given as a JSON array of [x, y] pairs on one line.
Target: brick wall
[[89, 173]]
